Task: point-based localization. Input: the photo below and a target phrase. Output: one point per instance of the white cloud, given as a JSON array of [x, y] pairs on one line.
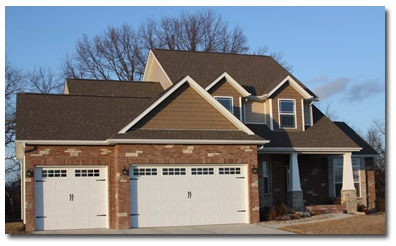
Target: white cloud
[[333, 87], [321, 78]]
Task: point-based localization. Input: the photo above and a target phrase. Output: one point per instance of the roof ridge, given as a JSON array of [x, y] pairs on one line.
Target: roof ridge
[[110, 80], [207, 52], [68, 95]]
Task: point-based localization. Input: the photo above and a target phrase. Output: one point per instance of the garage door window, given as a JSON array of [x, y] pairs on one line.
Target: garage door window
[[86, 173], [53, 173], [229, 170], [173, 171], [144, 171], [202, 171]]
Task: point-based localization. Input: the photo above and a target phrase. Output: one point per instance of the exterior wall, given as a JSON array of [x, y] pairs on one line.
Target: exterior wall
[[63, 155], [307, 113], [185, 109], [119, 156], [287, 92], [223, 88], [265, 199], [279, 165], [314, 179], [370, 182]]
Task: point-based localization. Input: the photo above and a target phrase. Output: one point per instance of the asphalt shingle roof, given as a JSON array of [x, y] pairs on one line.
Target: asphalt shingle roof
[[257, 74], [113, 88]]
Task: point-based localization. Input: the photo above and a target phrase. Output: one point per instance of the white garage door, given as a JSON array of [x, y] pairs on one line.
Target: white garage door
[[188, 195], [70, 198]]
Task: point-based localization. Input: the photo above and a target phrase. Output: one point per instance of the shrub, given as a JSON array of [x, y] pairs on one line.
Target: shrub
[[380, 204], [360, 207], [273, 215], [264, 213]]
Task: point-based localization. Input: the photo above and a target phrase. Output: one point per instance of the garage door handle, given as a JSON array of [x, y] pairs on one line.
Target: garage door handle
[[189, 194], [71, 197]]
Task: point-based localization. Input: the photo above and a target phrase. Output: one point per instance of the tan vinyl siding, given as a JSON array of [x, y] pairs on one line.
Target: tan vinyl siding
[[254, 112], [307, 113], [223, 88], [287, 92], [267, 113], [185, 109]]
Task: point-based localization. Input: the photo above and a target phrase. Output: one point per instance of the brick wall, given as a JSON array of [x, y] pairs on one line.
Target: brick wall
[[370, 181], [120, 156], [314, 180]]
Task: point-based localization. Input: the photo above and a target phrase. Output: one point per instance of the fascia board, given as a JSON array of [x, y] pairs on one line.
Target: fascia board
[[309, 149], [232, 82], [63, 142], [294, 84], [185, 141]]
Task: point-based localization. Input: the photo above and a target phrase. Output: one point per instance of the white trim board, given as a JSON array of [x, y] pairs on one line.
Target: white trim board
[[147, 70], [232, 82], [294, 84], [187, 141], [194, 85], [309, 149]]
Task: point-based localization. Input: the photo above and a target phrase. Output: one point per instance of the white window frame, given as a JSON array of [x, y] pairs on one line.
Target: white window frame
[[256, 123], [294, 114], [268, 176], [227, 97], [342, 167]]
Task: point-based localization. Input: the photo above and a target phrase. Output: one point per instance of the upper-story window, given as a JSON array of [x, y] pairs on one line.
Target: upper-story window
[[226, 102], [287, 113]]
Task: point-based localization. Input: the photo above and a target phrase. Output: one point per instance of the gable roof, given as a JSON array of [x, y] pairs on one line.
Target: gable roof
[[367, 149], [188, 80], [112, 88], [322, 134], [231, 81], [257, 74]]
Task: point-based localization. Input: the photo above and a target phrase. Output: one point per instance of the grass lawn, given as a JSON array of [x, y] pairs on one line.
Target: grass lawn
[[15, 228], [359, 224]]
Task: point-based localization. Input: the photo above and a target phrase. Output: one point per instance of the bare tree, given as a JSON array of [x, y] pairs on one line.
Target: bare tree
[[277, 55], [120, 53], [376, 138], [43, 80], [326, 107]]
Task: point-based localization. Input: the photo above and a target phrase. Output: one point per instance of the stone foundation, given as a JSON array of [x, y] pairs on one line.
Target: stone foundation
[[348, 198], [295, 200]]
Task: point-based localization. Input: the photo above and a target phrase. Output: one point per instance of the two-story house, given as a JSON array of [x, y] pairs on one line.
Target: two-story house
[[205, 138]]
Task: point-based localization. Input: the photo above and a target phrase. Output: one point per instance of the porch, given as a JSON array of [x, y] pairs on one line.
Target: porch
[[307, 179]]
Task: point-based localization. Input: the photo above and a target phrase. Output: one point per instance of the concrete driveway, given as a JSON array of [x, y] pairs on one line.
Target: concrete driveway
[[234, 229]]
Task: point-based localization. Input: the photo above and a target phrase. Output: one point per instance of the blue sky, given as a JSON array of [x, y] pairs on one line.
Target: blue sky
[[338, 52]]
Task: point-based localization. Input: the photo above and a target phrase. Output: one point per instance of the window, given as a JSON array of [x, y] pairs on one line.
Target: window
[[173, 171], [229, 170], [226, 102], [287, 113], [338, 170], [86, 173], [144, 171], [266, 177], [202, 171], [53, 173]]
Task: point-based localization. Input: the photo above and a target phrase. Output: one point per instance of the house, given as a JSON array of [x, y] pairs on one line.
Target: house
[[205, 138]]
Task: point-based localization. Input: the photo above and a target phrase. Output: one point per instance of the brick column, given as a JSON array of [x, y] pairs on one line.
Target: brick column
[[121, 191], [370, 177], [295, 194], [348, 191]]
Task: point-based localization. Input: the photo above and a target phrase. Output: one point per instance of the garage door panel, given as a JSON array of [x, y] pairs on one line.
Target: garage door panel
[[71, 198], [189, 195]]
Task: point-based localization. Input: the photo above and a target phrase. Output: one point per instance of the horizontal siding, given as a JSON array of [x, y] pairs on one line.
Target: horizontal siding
[[254, 112], [287, 92], [223, 88], [185, 109], [307, 113]]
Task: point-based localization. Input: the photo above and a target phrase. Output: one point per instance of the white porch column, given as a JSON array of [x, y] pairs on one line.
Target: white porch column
[[347, 177], [295, 175]]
